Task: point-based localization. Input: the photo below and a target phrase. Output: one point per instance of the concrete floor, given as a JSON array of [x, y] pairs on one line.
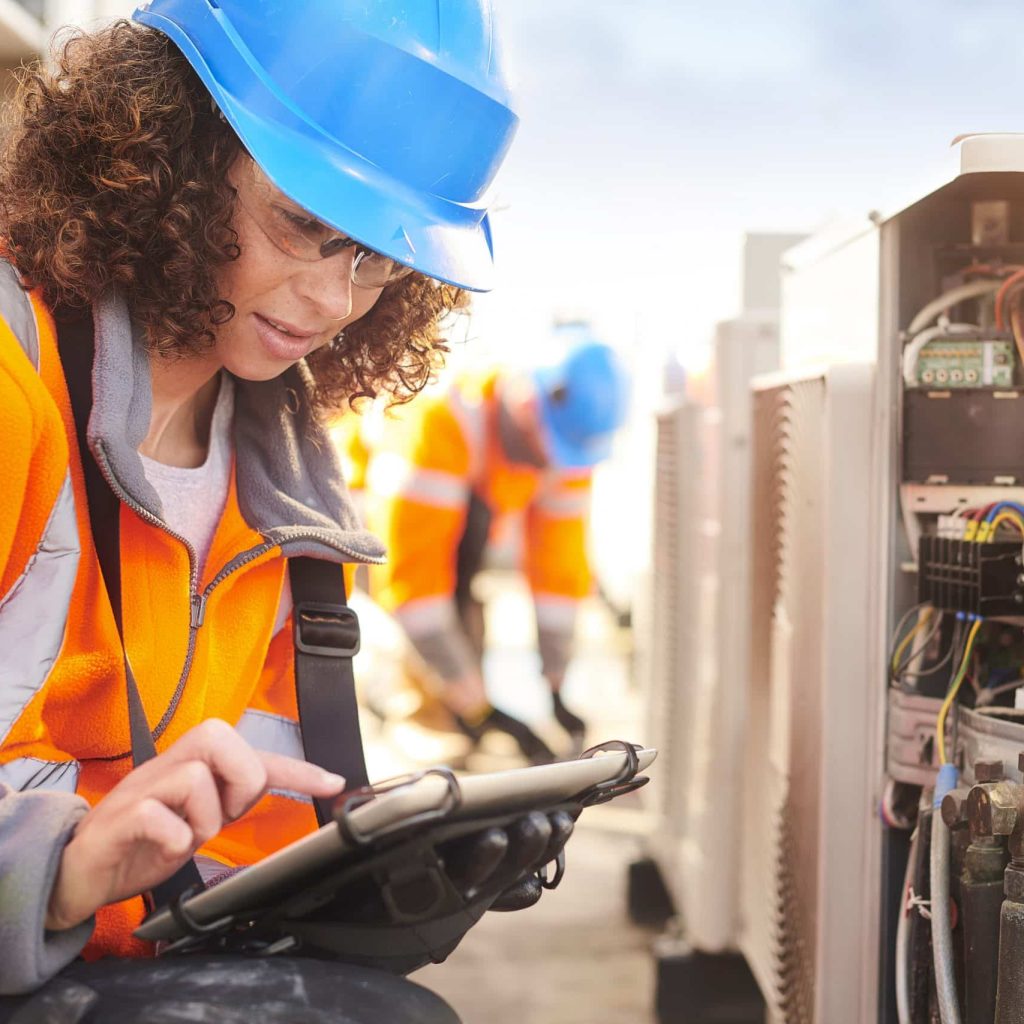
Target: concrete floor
[[575, 958]]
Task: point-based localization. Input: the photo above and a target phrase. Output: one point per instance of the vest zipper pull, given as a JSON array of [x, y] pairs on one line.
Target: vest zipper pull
[[198, 610]]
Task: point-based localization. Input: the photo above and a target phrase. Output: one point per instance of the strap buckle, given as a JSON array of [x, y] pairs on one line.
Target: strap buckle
[[350, 802], [328, 630], [625, 782]]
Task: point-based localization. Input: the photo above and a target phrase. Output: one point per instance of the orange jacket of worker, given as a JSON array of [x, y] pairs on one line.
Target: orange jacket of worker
[[452, 466], [229, 639]]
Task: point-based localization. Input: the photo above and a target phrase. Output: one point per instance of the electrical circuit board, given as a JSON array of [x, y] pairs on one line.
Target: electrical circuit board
[[966, 364]]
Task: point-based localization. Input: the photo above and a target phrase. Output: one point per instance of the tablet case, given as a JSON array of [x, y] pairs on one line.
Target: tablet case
[[387, 847]]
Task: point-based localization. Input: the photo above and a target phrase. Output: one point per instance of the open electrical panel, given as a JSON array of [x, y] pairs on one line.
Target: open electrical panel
[[952, 805]]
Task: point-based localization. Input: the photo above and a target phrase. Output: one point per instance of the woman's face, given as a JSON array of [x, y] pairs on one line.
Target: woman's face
[[285, 307]]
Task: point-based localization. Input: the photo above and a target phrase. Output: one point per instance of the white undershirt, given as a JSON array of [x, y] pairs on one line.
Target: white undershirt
[[193, 499]]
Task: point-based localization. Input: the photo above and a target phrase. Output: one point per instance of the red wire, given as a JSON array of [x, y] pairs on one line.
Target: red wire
[[1004, 290], [988, 268]]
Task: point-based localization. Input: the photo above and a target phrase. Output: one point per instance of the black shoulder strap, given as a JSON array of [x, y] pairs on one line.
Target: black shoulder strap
[[326, 635], [75, 343]]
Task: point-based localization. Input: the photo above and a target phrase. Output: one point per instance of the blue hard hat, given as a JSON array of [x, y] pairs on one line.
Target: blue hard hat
[[386, 120], [583, 398]]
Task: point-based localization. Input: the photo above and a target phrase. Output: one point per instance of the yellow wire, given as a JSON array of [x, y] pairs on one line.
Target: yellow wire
[[922, 620], [940, 724], [1006, 517]]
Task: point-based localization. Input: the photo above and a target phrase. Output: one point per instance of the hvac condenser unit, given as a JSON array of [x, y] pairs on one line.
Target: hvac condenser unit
[[672, 635], [807, 903], [849, 513], [701, 584]]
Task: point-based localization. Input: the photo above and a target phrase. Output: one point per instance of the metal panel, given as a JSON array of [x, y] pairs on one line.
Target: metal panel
[[830, 298], [809, 822], [671, 631], [700, 588], [21, 31]]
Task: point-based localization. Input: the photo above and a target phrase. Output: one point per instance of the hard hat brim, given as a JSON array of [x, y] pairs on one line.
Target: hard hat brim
[[447, 241]]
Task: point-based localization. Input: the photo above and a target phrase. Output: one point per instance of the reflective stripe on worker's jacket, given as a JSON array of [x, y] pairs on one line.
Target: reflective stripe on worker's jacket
[[425, 459], [210, 647]]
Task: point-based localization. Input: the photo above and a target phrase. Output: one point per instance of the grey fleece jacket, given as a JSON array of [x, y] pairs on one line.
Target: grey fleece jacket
[[290, 489], [34, 829]]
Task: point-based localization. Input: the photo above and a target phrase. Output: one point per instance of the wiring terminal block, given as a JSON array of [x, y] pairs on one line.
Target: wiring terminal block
[[984, 579]]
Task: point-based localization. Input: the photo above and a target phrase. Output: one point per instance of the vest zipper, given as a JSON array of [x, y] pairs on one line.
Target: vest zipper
[[197, 601]]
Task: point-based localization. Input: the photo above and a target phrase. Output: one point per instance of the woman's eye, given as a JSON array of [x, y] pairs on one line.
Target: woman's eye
[[299, 222]]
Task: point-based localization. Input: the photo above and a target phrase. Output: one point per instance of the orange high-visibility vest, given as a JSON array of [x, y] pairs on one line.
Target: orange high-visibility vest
[[63, 710]]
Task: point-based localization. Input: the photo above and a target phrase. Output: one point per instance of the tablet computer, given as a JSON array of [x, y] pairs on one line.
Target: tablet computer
[[401, 808]]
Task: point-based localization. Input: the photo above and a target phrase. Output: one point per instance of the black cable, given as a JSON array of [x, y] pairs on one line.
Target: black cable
[[899, 627], [908, 659], [940, 665], [960, 646]]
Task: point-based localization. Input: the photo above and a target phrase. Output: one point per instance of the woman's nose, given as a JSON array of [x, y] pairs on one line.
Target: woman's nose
[[328, 285]]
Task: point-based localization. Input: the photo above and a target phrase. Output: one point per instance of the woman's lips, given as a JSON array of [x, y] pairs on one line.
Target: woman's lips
[[288, 344]]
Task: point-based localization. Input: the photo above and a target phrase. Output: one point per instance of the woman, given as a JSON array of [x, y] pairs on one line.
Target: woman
[[197, 182]]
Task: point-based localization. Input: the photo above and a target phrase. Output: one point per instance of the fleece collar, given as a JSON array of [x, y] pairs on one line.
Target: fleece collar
[[290, 485]]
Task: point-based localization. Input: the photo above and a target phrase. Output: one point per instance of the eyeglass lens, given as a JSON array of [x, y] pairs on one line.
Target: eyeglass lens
[[303, 237]]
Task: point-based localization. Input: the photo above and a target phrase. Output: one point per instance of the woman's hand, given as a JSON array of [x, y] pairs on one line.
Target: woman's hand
[[152, 821]]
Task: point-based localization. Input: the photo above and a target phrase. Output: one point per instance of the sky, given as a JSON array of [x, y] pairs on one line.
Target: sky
[[656, 132]]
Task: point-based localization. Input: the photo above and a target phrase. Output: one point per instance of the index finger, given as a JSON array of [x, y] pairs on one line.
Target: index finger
[[242, 773], [299, 776]]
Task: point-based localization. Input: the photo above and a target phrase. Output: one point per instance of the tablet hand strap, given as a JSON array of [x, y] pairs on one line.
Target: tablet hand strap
[[412, 904]]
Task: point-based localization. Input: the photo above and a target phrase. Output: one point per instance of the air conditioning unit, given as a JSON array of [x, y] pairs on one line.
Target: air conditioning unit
[[809, 879], [670, 633], [699, 703]]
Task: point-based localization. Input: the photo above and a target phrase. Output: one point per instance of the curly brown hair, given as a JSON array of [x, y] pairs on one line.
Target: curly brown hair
[[114, 172]]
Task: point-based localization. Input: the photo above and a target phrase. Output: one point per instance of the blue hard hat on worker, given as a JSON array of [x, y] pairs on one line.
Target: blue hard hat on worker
[[385, 120], [583, 398]]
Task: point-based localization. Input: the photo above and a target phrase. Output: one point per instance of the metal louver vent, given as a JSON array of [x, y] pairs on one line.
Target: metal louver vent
[[670, 627], [808, 805], [787, 525]]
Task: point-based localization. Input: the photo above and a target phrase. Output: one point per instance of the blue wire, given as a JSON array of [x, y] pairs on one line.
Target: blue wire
[[996, 509]]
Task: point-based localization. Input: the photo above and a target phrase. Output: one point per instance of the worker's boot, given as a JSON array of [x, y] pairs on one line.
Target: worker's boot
[[572, 724]]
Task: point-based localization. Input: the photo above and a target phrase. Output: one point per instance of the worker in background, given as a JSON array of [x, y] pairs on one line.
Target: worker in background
[[445, 473]]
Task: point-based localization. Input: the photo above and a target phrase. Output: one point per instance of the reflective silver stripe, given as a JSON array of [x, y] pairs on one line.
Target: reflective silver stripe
[[34, 611], [274, 734], [427, 615], [564, 504], [555, 612], [392, 476], [16, 307], [32, 773]]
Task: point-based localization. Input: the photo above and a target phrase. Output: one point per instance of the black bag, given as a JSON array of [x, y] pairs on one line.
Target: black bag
[[226, 990]]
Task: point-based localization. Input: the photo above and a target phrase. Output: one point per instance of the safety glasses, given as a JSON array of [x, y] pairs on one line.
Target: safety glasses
[[298, 234]]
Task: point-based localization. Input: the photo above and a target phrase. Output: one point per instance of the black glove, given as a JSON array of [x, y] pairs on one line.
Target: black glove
[[413, 903], [528, 844]]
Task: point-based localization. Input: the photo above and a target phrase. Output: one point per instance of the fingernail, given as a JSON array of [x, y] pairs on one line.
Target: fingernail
[[333, 778]]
